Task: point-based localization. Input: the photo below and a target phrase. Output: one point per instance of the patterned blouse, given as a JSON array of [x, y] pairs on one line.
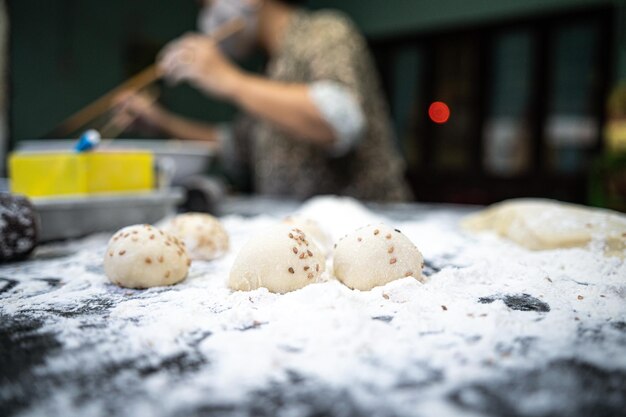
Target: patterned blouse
[[325, 46]]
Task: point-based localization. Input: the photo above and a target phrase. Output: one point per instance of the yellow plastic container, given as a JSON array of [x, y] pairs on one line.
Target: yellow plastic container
[[47, 174]]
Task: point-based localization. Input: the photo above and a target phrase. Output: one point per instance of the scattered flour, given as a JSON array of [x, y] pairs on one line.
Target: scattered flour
[[370, 344]]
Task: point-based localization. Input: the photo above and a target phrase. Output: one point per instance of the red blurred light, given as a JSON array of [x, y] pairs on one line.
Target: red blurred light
[[439, 112]]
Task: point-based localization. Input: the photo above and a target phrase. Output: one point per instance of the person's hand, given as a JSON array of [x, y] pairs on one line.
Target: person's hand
[[198, 60], [132, 106]]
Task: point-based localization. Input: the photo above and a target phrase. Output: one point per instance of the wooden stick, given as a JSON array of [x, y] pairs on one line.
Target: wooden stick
[[135, 83], [99, 106], [114, 127]]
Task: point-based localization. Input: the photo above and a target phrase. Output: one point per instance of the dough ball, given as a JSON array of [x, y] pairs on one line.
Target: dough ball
[[281, 259], [538, 224], [375, 255], [312, 230], [143, 256], [19, 227], [203, 234]]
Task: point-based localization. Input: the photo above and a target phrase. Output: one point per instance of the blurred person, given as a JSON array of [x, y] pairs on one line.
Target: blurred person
[[318, 122]]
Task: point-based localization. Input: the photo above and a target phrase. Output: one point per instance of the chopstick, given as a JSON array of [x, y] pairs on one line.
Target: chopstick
[[114, 126], [104, 103], [135, 83]]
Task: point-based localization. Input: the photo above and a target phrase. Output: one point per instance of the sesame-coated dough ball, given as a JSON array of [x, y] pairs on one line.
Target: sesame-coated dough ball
[[312, 229], [143, 256], [19, 227], [281, 259], [203, 234], [376, 255]]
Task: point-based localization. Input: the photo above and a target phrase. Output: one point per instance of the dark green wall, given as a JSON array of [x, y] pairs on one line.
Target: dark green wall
[[383, 18], [377, 18]]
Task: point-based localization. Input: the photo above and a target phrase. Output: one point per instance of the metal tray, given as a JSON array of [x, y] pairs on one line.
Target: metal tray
[[71, 217]]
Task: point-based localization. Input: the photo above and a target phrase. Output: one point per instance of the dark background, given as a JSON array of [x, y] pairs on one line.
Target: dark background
[[526, 82]]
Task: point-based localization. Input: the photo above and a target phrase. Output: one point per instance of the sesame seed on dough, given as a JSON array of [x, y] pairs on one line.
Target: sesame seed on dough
[[291, 270], [122, 252], [393, 261]]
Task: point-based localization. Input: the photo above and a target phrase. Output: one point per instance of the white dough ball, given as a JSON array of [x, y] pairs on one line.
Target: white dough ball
[[281, 259], [143, 256], [203, 234], [376, 255], [312, 230]]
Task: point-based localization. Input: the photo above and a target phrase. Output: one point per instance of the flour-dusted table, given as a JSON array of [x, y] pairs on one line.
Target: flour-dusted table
[[495, 331]]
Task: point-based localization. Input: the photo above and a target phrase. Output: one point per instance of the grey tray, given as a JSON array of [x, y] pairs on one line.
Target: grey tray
[[71, 217]]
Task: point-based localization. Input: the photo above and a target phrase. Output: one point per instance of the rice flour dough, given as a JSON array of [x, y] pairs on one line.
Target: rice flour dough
[[143, 256], [204, 235], [281, 259], [539, 224], [376, 255], [312, 229]]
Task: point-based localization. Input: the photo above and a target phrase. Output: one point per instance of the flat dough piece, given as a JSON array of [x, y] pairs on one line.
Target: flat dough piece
[[539, 224]]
